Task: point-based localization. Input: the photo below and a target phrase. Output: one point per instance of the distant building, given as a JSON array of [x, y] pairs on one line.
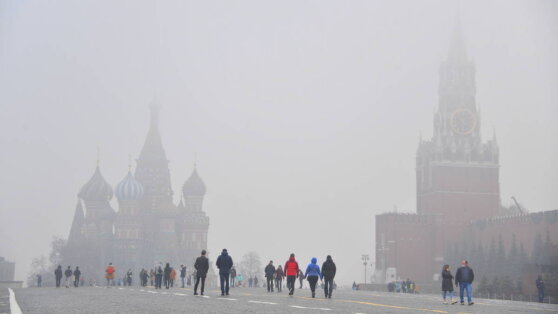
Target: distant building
[[7, 274], [458, 187], [148, 227]]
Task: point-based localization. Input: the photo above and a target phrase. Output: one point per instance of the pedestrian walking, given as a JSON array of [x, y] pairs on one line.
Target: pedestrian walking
[[182, 274], [464, 278], [110, 272], [151, 277], [255, 281], [224, 264], [68, 275], [159, 277], [300, 278], [328, 271], [39, 281], [269, 274], [540, 288], [58, 275], [250, 281], [312, 274], [166, 275], [291, 271], [447, 284], [279, 274], [172, 277], [129, 276], [201, 266], [77, 274], [233, 277]]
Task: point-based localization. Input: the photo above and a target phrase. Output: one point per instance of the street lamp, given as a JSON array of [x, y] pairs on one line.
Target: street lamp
[[365, 259]]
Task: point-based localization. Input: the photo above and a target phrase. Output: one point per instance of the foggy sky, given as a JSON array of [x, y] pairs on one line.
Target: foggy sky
[[304, 115]]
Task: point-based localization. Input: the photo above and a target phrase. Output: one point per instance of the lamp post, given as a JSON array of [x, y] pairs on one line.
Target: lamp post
[[365, 259]]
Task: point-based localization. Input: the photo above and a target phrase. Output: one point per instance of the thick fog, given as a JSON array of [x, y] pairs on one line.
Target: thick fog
[[304, 116]]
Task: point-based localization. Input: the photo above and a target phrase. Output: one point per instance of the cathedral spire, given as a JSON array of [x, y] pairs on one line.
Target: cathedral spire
[[457, 50]]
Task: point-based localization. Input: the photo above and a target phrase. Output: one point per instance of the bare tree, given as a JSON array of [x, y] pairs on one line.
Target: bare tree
[[250, 264]]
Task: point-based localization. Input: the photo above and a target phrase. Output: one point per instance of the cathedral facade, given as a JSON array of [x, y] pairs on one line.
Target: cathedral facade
[[148, 227], [457, 188]]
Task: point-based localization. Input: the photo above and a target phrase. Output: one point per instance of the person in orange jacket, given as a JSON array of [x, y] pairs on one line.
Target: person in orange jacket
[[172, 277], [291, 271], [110, 272]]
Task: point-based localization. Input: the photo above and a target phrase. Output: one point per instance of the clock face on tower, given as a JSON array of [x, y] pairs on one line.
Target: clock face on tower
[[463, 121]]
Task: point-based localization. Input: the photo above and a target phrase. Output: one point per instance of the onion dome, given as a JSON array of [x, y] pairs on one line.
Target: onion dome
[[96, 189], [128, 189], [194, 186]]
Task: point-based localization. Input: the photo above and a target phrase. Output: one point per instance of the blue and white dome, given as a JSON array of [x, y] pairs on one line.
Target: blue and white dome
[[129, 189], [96, 189], [194, 186]]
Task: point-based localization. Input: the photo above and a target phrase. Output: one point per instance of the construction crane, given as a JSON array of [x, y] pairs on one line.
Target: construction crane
[[521, 209]]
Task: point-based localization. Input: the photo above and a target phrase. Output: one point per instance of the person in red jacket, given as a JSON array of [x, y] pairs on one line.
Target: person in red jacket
[[291, 271]]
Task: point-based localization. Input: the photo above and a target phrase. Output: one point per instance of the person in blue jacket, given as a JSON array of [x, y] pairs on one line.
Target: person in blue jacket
[[312, 274]]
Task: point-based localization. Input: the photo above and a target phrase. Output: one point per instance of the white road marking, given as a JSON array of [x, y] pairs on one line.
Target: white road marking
[[163, 292], [14, 307], [120, 288], [151, 291], [261, 302], [229, 299], [204, 296], [182, 294], [310, 308]]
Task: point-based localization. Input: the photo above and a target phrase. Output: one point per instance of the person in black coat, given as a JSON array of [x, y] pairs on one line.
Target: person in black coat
[[68, 274], [77, 273], [464, 278], [182, 274], [58, 275], [447, 284], [166, 275], [269, 274], [328, 271], [202, 267], [224, 263]]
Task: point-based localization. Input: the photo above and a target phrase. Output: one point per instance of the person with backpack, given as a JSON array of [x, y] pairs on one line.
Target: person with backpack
[[447, 284], [202, 267], [328, 271], [224, 264], [269, 274], [312, 274], [58, 275], [110, 272], [291, 271], [464, 278]]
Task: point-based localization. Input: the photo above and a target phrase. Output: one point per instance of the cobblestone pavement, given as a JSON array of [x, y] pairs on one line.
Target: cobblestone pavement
[[246, 300]]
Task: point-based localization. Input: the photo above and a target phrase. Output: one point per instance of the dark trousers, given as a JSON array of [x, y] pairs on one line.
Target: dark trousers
[[167, 282], [76, 281], [301, 279], [291, 283], [233, 280], [279, 284], [58, 279], [158, 281], [202, 284], [328, 286], [541, 295], [224, 283], [312, 280], [182, 278], [269, 284]]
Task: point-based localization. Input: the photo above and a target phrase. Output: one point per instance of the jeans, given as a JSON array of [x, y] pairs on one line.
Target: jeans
[[76, 281], [68, 281], [182, 278], [465, 286], [313, 280], [202, 284], [328, 286], [233, 280], [444, 293], [58, 279], [541, 295], [279, 284], [269, 284], [224, 283], [291, 283]]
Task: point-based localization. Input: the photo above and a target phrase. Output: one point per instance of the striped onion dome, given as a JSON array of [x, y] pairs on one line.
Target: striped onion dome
[[96, 189], [194, 186], [128, 189]]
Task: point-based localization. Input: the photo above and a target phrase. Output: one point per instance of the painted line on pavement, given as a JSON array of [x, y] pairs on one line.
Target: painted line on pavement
[[392, 306], [151, 291], [229, 299], [310, 308], [261, 302], [14, 307], [181, 294]]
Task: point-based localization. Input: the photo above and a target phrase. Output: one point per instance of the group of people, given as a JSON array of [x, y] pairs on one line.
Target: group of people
[[405, 286], [463, 279], [72, 277], [292, 271]]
